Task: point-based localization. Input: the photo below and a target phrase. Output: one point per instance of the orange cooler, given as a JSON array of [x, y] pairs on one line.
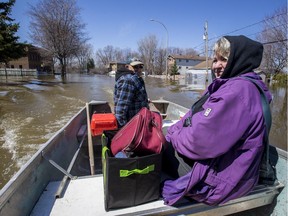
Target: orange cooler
[[102, 121]]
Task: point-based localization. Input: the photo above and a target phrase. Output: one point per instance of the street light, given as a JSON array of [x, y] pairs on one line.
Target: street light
[[167, 39]]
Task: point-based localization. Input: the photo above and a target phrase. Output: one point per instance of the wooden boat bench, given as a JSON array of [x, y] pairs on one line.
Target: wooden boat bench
[[85, 194]]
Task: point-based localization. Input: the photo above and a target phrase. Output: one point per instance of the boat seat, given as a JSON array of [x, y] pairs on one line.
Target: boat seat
[[262, 196]]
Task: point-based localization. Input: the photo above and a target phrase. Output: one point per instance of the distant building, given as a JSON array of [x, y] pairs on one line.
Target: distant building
[[184, 62], [33, 60], [198, 77], [114, 66]]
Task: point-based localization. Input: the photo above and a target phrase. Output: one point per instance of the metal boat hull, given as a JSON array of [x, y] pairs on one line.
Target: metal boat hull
[[66, 154]]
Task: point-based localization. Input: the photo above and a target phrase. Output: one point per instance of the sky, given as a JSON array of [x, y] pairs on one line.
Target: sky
[[123, 23]]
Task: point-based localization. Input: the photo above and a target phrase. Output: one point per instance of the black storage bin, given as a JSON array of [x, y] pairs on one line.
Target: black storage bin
[[129, 181]]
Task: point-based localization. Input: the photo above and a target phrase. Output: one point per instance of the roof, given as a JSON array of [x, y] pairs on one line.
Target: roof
[[201, 58], [202, 65]]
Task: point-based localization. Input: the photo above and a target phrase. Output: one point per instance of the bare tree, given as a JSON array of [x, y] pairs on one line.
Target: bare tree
[[147, 48], [111, 54], [160, 61], [127, 54], [148, 52], [274, 38], [105, 56], [180, 51], [191, 52], [56, 27], [83, 55]]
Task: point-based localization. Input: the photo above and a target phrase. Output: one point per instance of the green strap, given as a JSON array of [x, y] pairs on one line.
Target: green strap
[[126, 173], [104, 148]]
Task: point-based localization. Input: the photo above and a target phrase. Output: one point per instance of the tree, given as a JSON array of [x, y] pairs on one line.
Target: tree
[[109, 53], [56, 27], [90, 64], [274, 38], [160, 61], [147, 48], [10, 48], [174, 70], [105, 56], [83, 55], [180, 51]]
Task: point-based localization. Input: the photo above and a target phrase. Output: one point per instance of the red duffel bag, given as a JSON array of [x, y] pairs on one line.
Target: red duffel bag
[[142, 135]]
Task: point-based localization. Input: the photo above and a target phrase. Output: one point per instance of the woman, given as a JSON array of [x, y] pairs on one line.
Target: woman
[[215, 149]]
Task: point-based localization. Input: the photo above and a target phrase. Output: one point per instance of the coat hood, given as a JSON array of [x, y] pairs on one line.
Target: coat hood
[[245, 55], [121, 72]]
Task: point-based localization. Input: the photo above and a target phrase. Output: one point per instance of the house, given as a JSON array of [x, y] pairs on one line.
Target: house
[[33, 60], [199, 76], [203, 66], [114, 66], [184, 62]]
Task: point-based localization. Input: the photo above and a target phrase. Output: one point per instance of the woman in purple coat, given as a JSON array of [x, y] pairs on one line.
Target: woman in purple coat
[[214, 151]]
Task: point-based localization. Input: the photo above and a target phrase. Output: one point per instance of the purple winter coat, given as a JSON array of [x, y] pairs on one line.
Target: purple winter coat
[[224, 140]]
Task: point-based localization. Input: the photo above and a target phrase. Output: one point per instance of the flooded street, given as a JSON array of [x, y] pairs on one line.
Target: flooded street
[[32, 110]]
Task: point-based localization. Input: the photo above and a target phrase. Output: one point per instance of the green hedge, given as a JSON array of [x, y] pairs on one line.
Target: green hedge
[[280, 78]]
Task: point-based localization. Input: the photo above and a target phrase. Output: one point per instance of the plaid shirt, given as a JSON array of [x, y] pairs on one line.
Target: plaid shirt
[[129, 97]]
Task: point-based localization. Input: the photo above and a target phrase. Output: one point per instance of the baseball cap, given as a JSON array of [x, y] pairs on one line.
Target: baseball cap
[[134, 61]]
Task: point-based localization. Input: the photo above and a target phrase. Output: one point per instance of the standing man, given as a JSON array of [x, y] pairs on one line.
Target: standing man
[[129, 94]]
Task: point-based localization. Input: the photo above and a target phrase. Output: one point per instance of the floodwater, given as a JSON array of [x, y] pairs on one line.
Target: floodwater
[[33, 109]]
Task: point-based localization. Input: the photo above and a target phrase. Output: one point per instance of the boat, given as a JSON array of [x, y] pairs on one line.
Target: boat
[[57, 179]]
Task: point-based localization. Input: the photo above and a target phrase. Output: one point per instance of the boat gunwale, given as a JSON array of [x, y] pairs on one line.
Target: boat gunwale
[[7, 191], [282, 153], [39, 152]]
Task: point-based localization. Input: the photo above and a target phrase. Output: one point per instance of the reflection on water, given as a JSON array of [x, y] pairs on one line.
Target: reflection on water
[[278, 133], [31, 111]]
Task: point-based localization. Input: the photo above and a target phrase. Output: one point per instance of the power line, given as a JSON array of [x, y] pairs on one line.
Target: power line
[[272, 42], [248, 26], [264, 20], [237, 30]]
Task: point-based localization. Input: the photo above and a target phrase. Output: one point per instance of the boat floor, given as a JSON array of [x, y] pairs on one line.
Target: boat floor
[[85, 195], [82, 196]]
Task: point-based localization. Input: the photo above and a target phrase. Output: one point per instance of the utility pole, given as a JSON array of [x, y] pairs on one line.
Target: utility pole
[[205, 37]]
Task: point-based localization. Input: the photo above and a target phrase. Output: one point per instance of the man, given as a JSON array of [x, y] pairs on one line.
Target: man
[[129, 94]]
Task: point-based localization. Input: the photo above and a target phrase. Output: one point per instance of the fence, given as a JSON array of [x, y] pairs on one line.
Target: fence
[[17, 72]]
